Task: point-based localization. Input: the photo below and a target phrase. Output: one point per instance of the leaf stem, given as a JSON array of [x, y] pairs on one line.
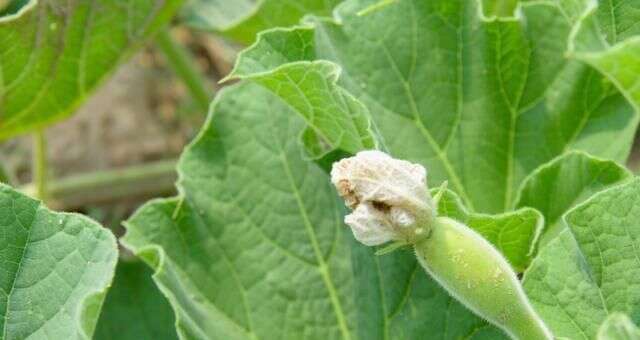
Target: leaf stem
[[183, 65], [139, 181], [40, 165]]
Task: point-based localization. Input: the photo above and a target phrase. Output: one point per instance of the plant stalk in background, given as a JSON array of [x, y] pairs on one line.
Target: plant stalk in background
[[40, 165], [183, 64], [391, 203]]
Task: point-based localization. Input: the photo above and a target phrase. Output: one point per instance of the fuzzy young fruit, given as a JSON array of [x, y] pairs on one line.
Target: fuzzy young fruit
[[391, 202], [477, 275]]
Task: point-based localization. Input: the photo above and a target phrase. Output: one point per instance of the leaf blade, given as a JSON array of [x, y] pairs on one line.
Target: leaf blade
[[556, 187], [54, 262], [590, 270], [288, 240]]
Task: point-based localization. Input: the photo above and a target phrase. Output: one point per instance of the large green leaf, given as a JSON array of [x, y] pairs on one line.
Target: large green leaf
[[53, 53], [134, 308], [255, 246], [556, 187], [482, 102], [591, 269], [241, 20], [55, 269]]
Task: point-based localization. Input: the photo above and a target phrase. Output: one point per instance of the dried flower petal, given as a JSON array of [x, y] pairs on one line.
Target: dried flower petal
[[375, 176], [389, 196], [369, 225]]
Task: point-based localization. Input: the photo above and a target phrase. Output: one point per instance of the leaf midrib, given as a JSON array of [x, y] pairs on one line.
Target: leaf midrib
[[322, 265]]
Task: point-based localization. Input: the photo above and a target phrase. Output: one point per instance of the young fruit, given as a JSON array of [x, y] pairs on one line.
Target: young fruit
[[391, 202], [477, 275]]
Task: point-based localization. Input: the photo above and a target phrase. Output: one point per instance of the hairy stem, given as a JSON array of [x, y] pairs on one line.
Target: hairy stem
[[147, 180], [40, 165], [183, 64]]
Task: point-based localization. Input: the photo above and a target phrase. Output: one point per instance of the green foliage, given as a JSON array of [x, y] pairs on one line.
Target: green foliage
[[55, 267], [591, 269], [480, 102], [53, 53], [525, 108], [134, 308], [559, 185], [268, 248], [254, 246], [241, 20]]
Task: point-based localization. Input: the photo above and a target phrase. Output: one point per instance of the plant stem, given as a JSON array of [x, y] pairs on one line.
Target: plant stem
[[147, 180], [40, 165], [183, 64]]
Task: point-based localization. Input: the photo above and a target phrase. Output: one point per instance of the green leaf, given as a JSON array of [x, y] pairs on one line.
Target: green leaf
[[590, 270], [469, 97], [336, 119], [255, 247], [607, 39], [53, 53], [134, 307], [514, 234], [12, 8], [556, 187], [56, 269], [241, 20], [618, 326]]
